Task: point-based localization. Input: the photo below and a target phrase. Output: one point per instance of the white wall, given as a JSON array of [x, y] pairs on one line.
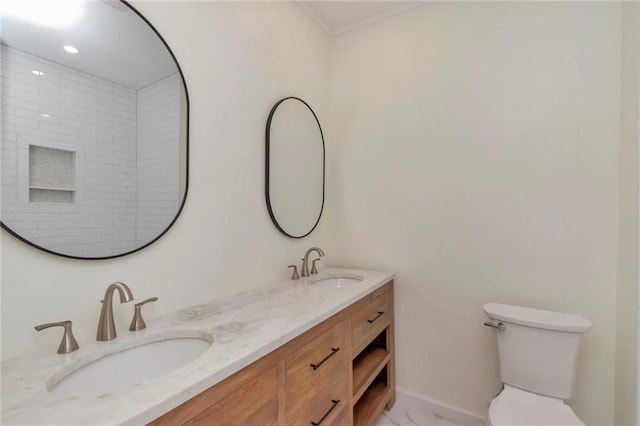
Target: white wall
[[94, 118], [238, 60], [628, 309], [158, 157], [477, 155]]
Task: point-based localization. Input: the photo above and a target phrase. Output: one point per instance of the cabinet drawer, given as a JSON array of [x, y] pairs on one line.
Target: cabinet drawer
[[371, 319], [255, 403], [324, 410], [344, 418], [319, 369]]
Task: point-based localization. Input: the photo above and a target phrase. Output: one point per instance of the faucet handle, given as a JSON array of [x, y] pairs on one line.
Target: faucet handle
[[68, 343], [295, 275], [314, 269], [137, 323]]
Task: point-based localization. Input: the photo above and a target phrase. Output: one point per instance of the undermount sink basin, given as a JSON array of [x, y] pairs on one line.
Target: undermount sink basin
[[130, 366], [336, 281]]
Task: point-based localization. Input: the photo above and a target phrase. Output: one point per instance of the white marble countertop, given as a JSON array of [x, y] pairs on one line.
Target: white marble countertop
[[244, 328]]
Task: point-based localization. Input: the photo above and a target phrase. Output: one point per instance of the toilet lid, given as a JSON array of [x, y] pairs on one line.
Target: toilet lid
[[517, 407]]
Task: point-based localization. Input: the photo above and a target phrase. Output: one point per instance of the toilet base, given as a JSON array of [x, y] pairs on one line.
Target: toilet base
[[518, 407]]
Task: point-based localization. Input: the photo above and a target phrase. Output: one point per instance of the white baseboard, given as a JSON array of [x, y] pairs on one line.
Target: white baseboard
[[458, 415]]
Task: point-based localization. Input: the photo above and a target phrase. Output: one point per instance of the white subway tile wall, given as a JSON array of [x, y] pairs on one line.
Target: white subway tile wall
[[158, 156], [96, 119]]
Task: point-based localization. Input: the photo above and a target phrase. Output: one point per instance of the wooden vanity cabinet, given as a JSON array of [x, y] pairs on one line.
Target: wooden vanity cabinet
[[317, 378], [255, 403], [373, 355], [341, 372]]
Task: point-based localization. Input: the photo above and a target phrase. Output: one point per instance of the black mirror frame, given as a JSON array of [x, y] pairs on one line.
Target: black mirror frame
[[266, 168], [186, 186]]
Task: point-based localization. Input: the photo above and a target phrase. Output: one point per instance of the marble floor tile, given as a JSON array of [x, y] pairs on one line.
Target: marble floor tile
[[404, 415]]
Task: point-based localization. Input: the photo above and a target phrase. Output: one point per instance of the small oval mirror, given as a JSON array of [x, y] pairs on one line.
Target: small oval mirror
[[294, 167]]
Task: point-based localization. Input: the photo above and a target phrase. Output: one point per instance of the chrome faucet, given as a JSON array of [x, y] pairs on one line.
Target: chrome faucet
[[106, 326], [305, 260]]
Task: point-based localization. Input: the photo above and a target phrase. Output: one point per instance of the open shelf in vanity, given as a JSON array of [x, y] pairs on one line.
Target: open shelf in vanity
[[372, 381], [368, 363], [372, 402]]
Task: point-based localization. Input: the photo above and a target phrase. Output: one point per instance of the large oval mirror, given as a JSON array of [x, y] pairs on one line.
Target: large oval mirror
[[95, 119], [294, 167]]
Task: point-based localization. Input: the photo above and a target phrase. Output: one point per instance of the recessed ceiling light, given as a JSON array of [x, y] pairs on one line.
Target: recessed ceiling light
[[45, 115], [38, 73], [71, 49]]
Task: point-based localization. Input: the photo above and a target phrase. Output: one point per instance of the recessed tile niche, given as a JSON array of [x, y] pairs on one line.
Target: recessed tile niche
[[51, 175]]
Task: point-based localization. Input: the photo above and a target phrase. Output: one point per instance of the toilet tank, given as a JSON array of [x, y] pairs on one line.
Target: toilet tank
[[538, 349]]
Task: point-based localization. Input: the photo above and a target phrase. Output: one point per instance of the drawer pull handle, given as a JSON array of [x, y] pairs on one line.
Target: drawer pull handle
[[371, 321], [333, 352], [335, 404]]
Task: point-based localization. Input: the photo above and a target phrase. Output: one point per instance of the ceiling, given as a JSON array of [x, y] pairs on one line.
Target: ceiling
[[114, 43], [337, 17]]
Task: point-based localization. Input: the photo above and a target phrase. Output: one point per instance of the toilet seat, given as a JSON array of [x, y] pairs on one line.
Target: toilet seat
[[515, 407]]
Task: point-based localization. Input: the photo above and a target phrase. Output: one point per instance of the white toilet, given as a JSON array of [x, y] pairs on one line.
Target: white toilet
[[538, 358]]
